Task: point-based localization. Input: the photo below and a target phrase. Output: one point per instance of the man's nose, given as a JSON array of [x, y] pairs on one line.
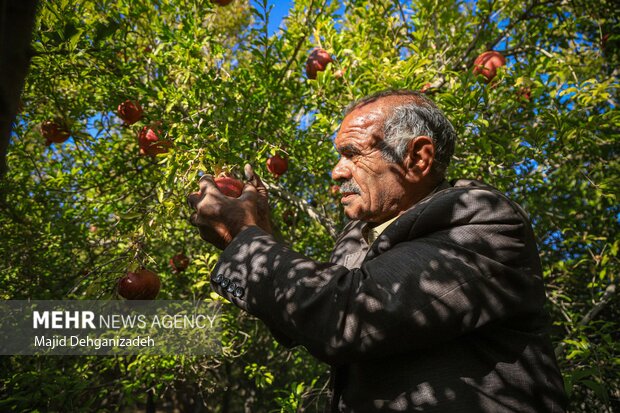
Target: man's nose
[[341, 171]]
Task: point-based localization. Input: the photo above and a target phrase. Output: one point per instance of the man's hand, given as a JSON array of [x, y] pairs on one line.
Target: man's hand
[[262, 200], [220, 218]]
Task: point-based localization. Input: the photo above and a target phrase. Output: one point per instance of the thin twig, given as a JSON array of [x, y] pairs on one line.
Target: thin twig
[[474, 41], [608, 295], [304, 206]]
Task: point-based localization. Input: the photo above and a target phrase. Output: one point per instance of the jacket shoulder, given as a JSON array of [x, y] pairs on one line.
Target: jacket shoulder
[[463, 202], [478, 201]]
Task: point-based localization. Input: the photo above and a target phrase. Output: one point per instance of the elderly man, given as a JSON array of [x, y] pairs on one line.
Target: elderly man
[[433, 297]]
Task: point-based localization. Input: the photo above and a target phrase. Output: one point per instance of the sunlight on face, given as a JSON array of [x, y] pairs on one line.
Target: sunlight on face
[[372, 188]]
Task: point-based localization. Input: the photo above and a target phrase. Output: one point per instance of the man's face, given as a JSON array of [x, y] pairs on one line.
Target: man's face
[[373, 189]]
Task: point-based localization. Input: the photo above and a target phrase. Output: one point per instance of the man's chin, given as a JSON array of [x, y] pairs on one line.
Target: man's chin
[[357, 214], [352, 212]]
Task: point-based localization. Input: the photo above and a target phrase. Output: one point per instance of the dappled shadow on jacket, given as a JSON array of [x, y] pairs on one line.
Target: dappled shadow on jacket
[[443, 312]]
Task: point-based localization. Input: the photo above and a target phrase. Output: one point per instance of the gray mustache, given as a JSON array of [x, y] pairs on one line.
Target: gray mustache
[[349, 186]]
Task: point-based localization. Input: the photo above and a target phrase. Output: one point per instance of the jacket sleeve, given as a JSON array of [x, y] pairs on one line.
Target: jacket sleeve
[[454, 265]]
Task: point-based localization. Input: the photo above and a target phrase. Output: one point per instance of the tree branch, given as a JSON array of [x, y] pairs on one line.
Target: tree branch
[[300, 42], [402, 16], [610, 291], [304, 206], [608, 295], [490, 45], [474, 41]]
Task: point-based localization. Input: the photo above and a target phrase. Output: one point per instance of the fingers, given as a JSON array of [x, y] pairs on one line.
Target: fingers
[[254, 179], [193, 199], [249, 172], [204, 182], [251, 176], [193, 219], [219, 217]]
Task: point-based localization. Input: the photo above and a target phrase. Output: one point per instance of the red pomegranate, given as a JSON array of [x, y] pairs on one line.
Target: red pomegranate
[[140, 285], [317, 62], [130, 112], [54, 132], [277, 165], [149, 142], [487, 63], [229, 186], [179, 262]]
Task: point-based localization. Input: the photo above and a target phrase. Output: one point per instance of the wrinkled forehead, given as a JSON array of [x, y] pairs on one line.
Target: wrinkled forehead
[[360, 129], [374, 113], [363, 118], [363, 126]]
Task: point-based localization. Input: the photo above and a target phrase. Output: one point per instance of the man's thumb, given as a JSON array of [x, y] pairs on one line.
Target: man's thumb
[[253, 178]]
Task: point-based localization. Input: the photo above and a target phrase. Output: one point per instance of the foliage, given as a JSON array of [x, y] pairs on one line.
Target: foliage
[[75, 216]]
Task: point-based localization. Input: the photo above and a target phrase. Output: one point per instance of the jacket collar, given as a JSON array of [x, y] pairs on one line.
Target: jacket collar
[[366, 227]]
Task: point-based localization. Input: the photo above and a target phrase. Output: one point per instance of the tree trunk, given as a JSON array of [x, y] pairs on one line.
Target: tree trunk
[[16, 22]]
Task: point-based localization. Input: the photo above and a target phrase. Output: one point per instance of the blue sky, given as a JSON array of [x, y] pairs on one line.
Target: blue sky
[[278, 12]]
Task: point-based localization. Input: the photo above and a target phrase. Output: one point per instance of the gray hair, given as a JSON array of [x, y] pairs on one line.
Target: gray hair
[[417, 115]]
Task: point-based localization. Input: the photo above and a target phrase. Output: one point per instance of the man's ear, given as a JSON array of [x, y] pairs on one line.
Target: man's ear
[[419, 157]]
